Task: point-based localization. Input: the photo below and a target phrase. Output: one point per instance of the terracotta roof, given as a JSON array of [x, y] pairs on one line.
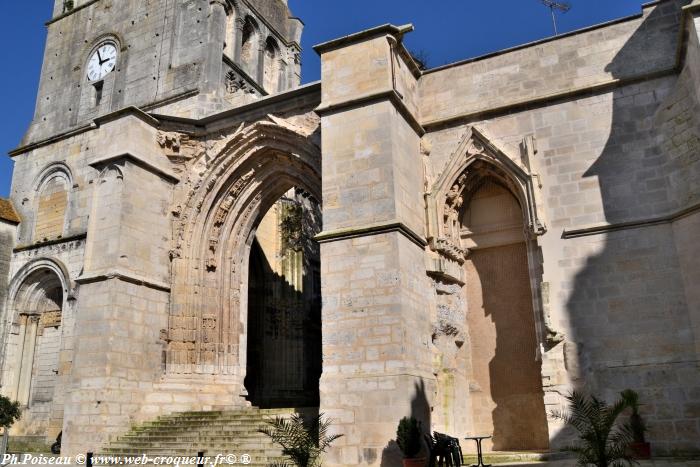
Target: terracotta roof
[[7, 212]]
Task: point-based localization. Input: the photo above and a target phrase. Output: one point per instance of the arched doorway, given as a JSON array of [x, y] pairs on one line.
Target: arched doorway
[[33, 348], [506, 380], [284, 306], [224, 273]]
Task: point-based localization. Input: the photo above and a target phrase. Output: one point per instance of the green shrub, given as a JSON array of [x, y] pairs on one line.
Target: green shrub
[[408, 437], [9, 412]]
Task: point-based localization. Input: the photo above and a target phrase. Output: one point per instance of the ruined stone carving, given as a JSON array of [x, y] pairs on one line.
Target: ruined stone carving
[[235, 83], [169, 141], [428, 178], [305, 124], [552, 337], [221, 214], [448, 330], [448, 248], [50, 319]]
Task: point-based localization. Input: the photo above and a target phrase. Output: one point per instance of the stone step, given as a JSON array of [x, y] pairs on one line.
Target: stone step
[[229, 436], [191, 451], [217, 432], [241, 446], [238, 421]]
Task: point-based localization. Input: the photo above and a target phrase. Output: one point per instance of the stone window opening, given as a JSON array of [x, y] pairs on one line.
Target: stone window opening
[[272, 66], [52, 201], [232, 38], [97, 99], [284, 305], [250, 47]]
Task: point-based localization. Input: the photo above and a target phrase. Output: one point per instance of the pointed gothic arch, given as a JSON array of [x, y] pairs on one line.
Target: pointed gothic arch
[[215, 230], [476, 157], [478, 166]]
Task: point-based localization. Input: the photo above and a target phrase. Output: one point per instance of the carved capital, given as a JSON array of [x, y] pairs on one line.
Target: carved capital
[[447, 248]]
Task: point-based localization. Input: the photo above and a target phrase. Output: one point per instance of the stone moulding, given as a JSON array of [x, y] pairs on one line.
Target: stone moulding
[[374, 229], [599, 229], [227, 188], [476, 158]]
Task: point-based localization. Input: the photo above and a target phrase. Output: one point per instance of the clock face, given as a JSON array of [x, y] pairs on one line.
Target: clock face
[[102, 61]]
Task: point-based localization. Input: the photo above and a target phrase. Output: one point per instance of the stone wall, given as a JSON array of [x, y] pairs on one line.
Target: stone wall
[[618, 157], [170, 57], [8, 232]]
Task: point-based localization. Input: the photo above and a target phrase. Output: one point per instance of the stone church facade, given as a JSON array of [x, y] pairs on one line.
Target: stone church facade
[[464, 244]]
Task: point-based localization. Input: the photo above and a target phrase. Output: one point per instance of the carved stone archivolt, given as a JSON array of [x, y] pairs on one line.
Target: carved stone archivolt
[[230, 185], [178, 147], [475, 160]]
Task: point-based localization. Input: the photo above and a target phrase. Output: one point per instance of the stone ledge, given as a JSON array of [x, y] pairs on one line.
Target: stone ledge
[[372, 229], [123, 276], [598, 229]]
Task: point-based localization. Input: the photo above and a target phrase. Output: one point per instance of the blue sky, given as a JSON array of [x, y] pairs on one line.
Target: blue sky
[[446, 30]]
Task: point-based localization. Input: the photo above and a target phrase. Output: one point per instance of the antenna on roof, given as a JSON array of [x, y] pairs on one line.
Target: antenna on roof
[[554, 5]]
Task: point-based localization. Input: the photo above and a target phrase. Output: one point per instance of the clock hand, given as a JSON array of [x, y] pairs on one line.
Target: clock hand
[[99, 57]]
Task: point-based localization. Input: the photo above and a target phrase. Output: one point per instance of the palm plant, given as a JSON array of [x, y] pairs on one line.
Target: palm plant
[[636, 422], [603, 441], [302, 442]]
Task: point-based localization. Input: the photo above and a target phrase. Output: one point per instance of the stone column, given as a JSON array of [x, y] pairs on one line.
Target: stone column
[[17, 366], [25, 375], [238, 28], [376, 320], [215, 49]]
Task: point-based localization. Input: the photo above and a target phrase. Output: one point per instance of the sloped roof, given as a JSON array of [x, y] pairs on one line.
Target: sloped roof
[[7, 212]]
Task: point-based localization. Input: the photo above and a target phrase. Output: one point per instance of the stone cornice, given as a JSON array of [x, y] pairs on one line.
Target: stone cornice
[[139, 161], [545, 40], [68, 13], [96, 123], [367, 99], [604, 228], [371, 229], [362, 36], [56, 241], [123, 276]]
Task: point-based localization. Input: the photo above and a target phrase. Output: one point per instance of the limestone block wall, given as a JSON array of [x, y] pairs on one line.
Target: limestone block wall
[[171, 55], [532, 72], [8, 232], [376, 311], [618, 171]]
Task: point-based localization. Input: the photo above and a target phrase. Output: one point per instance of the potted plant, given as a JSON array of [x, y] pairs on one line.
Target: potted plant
[[409, 439], [9, 414], [639, 448], [302, 442], [603, 442]]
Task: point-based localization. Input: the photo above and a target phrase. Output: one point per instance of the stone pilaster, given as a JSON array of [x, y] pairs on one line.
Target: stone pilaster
[[122, 300], [376, 326]]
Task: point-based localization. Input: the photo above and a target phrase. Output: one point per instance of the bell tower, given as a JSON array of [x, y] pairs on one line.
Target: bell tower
[[188, 58]]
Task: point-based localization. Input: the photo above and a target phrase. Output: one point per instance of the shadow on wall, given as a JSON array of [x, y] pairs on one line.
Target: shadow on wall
[[513, 374], [629, 322], [420, 410]]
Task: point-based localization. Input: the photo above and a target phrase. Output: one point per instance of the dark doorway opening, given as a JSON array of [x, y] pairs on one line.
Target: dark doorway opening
[[284, 306]]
